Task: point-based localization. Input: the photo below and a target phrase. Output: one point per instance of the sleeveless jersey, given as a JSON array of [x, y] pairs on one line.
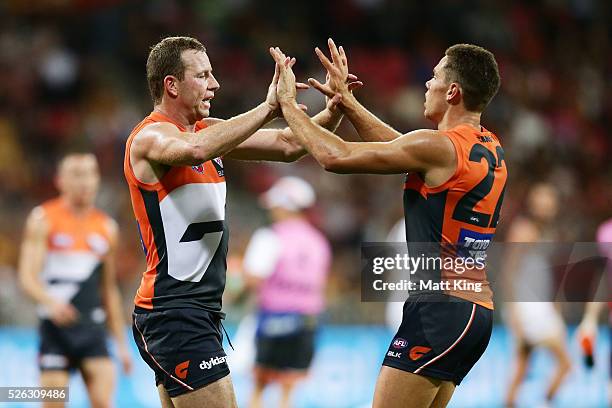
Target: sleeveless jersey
[[182, 227], [460, 215], [297, 283], [76, 245]]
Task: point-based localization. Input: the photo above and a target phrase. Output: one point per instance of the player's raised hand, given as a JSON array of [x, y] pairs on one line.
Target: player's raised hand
[[286, 85], [283, 80], [338, 78]]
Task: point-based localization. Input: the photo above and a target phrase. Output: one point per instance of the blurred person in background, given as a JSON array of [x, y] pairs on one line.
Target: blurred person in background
[[452, 196], [587, 329], [533, 317], [175, 175], [71, 245], [286, 264]]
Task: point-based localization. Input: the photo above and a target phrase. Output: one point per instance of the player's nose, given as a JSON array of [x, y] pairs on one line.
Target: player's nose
[[213, 84]]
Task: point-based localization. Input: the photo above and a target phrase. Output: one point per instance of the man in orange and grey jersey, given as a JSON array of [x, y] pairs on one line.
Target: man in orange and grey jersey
[[456, 176], [174, 169], [67, 267], [533, 317]]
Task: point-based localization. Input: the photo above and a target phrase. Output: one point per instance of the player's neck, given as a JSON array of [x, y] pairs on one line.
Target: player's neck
[[172, 112], [455, 117], [77, 209]]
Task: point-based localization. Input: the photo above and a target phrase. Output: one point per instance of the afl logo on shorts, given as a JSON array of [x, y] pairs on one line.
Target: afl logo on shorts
[[199, 168], [400, 343]]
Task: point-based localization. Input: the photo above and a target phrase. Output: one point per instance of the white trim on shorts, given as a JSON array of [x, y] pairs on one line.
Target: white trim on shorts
[[467, 327], [155, 361]]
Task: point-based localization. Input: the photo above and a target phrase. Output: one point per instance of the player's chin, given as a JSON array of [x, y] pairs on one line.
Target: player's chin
[[202, 113]]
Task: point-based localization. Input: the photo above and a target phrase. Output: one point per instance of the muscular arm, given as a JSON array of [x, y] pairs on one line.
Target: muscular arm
[[419, 151], [280, 144], [32, 256], [112, 298], [163, 143], [31, 261], [369, 127]]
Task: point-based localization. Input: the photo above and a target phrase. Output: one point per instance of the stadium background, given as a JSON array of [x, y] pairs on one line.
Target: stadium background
[[73, 77]]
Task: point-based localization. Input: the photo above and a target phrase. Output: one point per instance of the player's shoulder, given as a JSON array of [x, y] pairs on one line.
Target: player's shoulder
[[425, 138], [38, 220], [431, 145], [149, 135], [155, 129], [49, 209]]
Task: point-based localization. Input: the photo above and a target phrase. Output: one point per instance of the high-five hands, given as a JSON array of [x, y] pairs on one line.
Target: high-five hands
[[272, 98], [285, 80], [339, 82], [338, 79]]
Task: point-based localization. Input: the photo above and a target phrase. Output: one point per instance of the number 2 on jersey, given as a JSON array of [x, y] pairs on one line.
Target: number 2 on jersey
[[464, 211]]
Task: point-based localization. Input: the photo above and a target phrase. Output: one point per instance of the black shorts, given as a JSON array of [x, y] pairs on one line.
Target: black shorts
[[182, 346], [440, 339], [64, 348], [285, 341], [292, 352]]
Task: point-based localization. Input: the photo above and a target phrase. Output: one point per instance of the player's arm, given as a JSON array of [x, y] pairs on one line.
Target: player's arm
[[278, 144], [112, 299], [369, 127], [592, 311], [31, 261], [165, 144], [418, 151]]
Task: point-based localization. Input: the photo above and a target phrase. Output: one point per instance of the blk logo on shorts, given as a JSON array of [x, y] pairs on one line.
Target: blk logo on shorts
[[181, 370], [418, 351], [400, 343]]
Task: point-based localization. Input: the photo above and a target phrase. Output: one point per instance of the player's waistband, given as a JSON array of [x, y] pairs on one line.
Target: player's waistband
[[217, 313]]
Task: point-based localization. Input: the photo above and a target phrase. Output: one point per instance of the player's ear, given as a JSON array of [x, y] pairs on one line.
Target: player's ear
[[453, 93], [171, 85]]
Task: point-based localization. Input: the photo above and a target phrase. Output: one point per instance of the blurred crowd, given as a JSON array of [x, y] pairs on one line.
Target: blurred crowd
[[73, 77]]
